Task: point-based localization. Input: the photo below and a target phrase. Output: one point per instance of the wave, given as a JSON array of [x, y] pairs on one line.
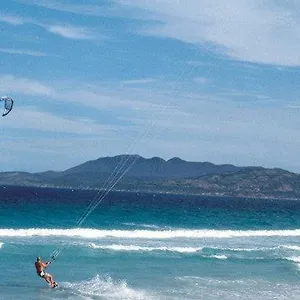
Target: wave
[[291, 247], [221, 253], [145, 249], [295, 259], [255, 249], [147, 234], [1, 244], [106, 288], [222, 257]]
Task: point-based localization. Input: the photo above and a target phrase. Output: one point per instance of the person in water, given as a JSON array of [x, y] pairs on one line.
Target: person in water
[[40, 269]]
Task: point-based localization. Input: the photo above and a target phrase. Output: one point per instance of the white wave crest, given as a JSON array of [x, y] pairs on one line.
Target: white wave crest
[[1, 244], [236, 249], [291, 247], [254, 249], [147, 234], [295, 259], [222, 257], [145, 249], [105, 288]]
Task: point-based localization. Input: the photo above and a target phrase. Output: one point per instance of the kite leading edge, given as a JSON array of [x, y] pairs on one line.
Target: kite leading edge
[[8, 105]]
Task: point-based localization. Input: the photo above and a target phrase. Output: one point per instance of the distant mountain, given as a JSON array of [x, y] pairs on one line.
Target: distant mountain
[[135, 173], [152, 168]]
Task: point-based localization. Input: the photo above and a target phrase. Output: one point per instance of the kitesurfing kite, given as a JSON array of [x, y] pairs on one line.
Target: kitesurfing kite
[[8, 105]]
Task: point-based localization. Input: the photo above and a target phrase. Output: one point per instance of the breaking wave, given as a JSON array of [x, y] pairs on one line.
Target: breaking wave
[[222, 253], [147, 234], [295, 259], [106, 288], [145, 249]]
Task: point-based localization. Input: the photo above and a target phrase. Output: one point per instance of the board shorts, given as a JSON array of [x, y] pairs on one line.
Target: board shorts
[[42, 274]]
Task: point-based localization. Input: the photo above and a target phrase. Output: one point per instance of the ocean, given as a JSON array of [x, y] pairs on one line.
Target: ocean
[[148, 246]]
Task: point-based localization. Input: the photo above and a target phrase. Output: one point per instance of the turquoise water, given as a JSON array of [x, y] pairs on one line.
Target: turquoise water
[[144, 246]]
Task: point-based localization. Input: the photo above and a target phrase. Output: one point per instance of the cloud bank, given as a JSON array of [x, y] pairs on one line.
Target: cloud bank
[[248, 30]]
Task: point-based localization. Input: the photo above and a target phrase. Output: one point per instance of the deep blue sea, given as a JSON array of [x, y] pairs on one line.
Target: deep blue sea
[[146, 246]]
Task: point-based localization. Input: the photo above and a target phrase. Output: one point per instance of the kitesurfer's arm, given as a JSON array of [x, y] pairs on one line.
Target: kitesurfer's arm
[[46, 264]]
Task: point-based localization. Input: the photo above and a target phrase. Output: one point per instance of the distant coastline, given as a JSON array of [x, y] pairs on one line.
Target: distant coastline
[[174, 176]]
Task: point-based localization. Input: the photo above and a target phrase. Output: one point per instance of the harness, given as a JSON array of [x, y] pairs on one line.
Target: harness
[[41, 274]]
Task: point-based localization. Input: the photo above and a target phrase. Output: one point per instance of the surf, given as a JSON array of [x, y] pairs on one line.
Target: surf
[[136, 248], [90, 233], [104, 288]]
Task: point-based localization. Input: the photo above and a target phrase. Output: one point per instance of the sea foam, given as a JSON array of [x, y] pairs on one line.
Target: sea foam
[[202, 250], [114, 247], [105, 288], [222, 257], [291, 247], [295, 259], [90, 233]]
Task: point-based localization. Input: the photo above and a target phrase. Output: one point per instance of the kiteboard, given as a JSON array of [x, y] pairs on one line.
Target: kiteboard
[[55, 284]]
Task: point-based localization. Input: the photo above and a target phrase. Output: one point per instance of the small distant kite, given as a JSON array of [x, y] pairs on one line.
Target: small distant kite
[[8, 105]]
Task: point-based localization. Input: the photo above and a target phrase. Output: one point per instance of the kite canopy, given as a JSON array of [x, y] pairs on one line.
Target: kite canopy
[[8, 105]]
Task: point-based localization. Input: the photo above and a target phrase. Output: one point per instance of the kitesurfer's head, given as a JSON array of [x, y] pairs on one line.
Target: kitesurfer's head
[[38, 259]]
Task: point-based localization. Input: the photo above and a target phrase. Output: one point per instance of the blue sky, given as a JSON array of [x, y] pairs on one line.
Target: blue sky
[[210, 81]]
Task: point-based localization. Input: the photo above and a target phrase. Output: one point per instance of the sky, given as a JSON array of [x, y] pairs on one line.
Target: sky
[[203, 80]]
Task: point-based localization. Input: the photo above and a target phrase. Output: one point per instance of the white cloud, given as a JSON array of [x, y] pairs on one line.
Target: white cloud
[[12, 20], [82, 9], [71, 32], [64, 30], [23, 52], [249, 30], [11, 85], [138, 81], [98, 8], [129, 99], [30, 118]]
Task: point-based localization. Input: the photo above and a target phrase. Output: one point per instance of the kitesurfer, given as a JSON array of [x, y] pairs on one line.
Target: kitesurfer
[[40, 269]]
